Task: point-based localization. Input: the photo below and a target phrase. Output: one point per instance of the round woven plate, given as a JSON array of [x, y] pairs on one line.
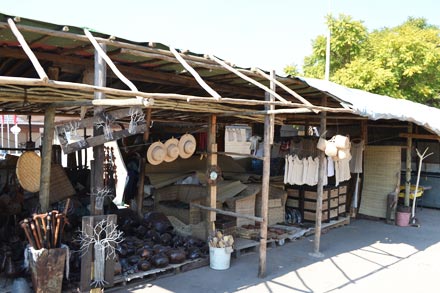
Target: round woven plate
[[28, 171]]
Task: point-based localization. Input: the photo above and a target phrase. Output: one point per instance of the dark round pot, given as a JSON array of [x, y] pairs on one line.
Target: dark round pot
[[160, 260], [144, 265], [176, 256]]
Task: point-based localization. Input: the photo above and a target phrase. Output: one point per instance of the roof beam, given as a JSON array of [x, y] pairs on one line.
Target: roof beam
[[138, 74]]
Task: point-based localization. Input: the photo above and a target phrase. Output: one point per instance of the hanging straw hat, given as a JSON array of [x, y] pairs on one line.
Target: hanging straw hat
[[29, 171], [156, 153], [187, 146], [342, 142], [172, 150], [330, 149]]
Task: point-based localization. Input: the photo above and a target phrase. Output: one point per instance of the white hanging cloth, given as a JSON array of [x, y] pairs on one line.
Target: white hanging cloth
[[357, 149], [330, 167]]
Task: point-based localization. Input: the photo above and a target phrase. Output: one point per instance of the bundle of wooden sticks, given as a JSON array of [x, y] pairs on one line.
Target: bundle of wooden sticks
[[44, 230]]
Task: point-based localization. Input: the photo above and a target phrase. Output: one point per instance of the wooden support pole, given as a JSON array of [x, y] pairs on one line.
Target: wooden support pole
[[142, 162], [273, 79], [28, 51], [194, 73], [46, 158], [100, 77], [46, 154], [265, 193], [320, 188], [211, 200], [248, 79], [408, 164]]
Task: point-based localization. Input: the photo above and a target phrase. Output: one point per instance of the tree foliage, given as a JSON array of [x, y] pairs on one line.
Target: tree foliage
[[402, 62]]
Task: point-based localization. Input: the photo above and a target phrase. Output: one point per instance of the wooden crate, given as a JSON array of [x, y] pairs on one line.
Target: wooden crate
[[334, 192], [292, 202], [311, 205], [334, 213], [314, 195], [293, 192], [342, 209], [334, 202], [343, 189], [311, 216], [275, 215], [243, 205], [277, 198], [342, 198]]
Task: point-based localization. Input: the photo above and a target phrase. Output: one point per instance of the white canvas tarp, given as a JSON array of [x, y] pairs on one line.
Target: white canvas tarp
[[377, 107]]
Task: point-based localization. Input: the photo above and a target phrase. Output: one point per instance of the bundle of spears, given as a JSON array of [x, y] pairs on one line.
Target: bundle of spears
[[44, 230]]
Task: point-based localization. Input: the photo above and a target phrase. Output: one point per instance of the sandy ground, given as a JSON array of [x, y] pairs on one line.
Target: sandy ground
[[365, 256]]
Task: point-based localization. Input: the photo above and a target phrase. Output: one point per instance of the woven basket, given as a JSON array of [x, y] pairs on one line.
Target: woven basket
[[29, 171]]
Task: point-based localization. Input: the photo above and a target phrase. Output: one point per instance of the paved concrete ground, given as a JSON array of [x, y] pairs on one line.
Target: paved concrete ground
[[365, 256]]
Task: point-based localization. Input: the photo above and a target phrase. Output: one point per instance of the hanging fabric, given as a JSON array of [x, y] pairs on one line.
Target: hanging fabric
[[357, 148]]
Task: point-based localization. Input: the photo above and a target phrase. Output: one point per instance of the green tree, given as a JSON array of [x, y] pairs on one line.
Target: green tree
[[348, 38], [402, 62], [291, 69]]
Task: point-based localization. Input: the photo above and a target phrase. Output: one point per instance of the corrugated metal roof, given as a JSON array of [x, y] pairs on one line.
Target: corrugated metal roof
[[377, 107]]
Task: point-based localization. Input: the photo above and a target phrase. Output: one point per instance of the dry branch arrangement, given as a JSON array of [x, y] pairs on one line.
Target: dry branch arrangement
[[221, 241], [100, 196], [136, 117], [104, 238]]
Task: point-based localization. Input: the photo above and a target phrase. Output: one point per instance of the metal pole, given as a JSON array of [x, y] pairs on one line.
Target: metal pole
[[327, 48]]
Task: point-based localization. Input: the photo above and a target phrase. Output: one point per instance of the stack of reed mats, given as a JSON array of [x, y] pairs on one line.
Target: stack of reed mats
[[276, 205]]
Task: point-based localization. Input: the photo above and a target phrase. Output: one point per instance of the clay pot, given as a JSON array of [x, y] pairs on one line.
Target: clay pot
[[134, 259], [177, 241], [158, 249], [166, 238], [146, 253], [153, 235], [176, 256], [194, 253], [158, 221], [144, 265], [141, 231], [160, 260]]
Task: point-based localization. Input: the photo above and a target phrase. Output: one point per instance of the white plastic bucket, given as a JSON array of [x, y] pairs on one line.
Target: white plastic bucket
[[220, 258]]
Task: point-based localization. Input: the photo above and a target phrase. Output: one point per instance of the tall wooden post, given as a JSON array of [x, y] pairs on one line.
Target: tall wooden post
[[98, 151], [320, 187], [46, 158], [142, 162], [268, 135], [211, 162], [408, 164], [46, 153]]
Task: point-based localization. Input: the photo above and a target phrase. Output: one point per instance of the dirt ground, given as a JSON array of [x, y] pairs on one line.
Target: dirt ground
[[365, 256]]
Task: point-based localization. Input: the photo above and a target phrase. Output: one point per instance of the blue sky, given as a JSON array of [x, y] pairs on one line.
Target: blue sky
[[268, 34]]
